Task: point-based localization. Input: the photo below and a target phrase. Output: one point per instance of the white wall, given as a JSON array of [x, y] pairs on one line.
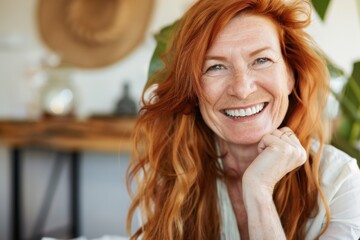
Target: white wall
[[103, 198], [339, 34]]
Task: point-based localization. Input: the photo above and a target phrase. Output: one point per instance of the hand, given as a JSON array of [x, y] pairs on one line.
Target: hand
[[279, 153]]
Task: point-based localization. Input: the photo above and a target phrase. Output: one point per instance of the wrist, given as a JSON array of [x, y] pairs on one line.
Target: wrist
[[253, 185], [257, 199]]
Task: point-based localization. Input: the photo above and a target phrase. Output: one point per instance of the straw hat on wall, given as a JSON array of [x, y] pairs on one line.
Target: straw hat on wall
[[93, 33]]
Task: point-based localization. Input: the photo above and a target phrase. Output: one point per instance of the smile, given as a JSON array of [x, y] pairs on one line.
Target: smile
[[245, 112]]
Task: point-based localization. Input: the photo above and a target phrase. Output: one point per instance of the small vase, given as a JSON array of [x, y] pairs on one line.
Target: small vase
[[125, 106], [58, 95]]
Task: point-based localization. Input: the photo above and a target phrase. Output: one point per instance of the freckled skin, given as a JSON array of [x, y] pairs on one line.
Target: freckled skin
[[245, 81]]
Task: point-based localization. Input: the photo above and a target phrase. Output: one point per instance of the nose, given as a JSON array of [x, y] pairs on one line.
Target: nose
[[242, 85]]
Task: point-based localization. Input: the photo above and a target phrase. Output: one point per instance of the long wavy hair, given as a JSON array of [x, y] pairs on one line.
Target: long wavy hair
[[174, 162]]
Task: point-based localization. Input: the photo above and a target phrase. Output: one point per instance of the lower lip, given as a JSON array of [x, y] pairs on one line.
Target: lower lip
[[250, 118]]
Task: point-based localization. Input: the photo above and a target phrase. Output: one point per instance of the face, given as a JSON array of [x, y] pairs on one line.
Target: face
[[245, 81]]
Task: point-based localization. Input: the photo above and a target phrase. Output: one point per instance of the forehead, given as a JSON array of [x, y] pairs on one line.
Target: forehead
[[249, 30]]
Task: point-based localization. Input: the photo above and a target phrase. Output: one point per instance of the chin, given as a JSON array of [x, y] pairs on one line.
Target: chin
[[250, 140]]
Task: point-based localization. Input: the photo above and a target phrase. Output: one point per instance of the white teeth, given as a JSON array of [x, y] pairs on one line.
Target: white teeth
[[242, 113], [245, 112]]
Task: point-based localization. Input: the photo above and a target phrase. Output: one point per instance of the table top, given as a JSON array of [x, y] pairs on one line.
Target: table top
[[104, 134]]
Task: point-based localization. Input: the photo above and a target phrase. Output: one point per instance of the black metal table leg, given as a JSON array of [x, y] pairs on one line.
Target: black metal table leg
[[16, 194], [74, 195], [49, 195]]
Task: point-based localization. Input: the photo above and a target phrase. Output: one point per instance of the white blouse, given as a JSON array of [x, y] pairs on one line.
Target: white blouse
[[340, 182]]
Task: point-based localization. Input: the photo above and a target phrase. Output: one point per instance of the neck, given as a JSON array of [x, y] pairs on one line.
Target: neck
[[237, 157]]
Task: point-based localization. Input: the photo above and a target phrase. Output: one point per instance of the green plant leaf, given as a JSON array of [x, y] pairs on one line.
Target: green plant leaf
[[162, 41], [349, 127], [352, 87], [321, 7], [344, 145], [334, 70], [348, 107]]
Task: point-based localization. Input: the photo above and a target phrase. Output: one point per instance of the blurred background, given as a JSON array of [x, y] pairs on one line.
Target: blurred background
[[97, 87]]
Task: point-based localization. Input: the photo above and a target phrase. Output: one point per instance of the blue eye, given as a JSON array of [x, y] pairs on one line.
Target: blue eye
[[262, 63], [261, 60], [215, 68]]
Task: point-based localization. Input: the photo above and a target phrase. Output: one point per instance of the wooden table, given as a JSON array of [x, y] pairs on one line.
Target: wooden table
[[101, 134], [98, 134]]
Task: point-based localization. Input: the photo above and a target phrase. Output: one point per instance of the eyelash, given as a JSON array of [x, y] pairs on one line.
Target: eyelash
[[262, 60], [215, 68], [258, 61]]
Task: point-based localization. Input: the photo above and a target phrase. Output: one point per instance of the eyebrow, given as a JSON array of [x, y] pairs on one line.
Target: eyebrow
[[251, 54], [257, 51], [220, 58]]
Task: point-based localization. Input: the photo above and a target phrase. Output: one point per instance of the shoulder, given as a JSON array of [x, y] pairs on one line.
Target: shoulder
[[339, 177], [336, 166]]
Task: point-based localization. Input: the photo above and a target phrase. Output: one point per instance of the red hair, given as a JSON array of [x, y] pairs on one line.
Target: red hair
[[174, 158]]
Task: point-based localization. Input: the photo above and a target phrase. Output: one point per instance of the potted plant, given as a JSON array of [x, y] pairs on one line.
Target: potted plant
[[346, 131]]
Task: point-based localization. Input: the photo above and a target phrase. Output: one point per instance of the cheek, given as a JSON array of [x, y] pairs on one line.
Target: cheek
[[211, 93], [280, 85], [207, 106], [205, 109]]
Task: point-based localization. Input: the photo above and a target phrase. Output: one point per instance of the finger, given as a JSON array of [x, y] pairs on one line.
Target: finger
[[287, 131], [284, 147], [288, 134], [271, 140], [285, 134], [278, 133]]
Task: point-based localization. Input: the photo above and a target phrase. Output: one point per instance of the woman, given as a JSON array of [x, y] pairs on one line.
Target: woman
[[231, 145]]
